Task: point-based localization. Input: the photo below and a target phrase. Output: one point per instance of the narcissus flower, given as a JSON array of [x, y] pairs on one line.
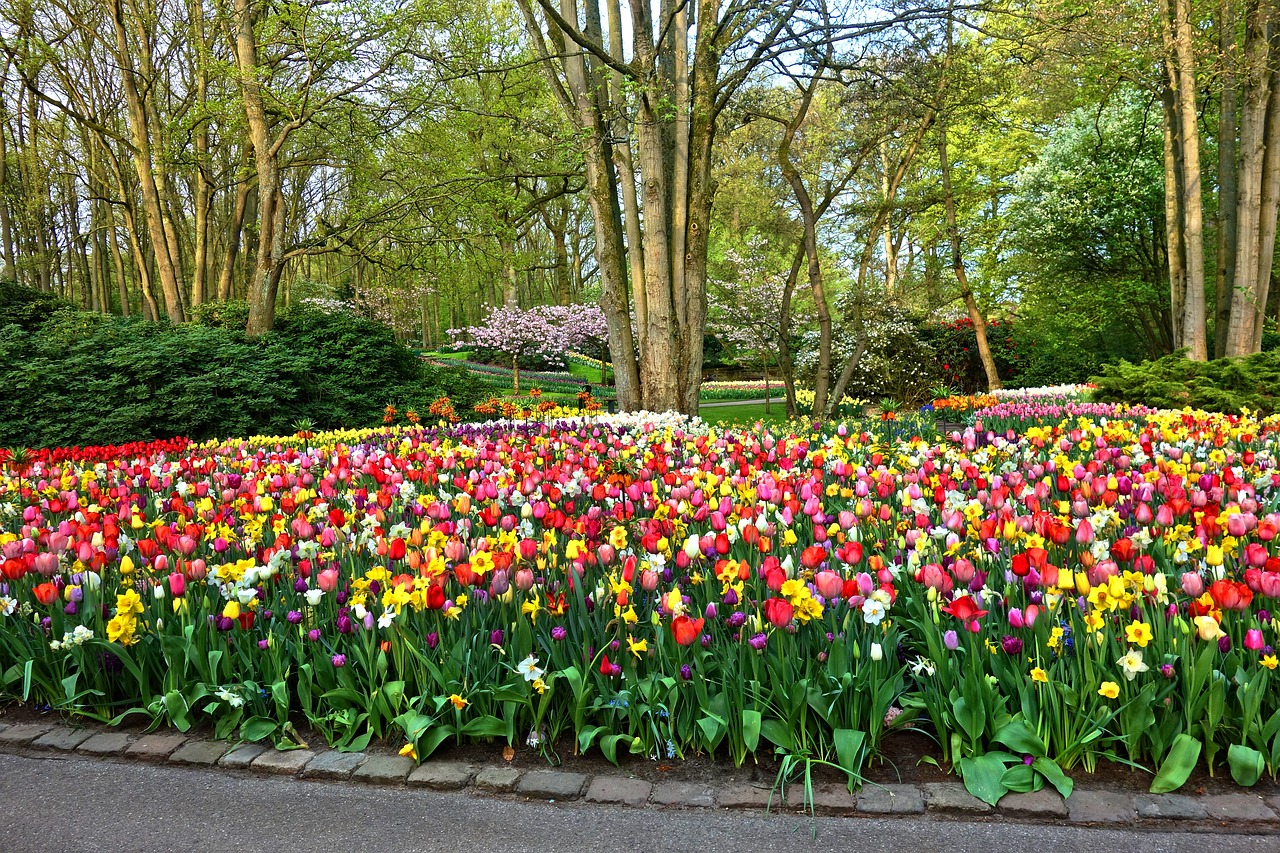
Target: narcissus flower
[[457, 701], [1131, 664], [1109, 689], [1138, 633]]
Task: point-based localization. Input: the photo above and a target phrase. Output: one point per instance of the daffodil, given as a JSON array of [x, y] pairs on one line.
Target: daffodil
[[1138, 633], [1131, 664], [1109, 689]]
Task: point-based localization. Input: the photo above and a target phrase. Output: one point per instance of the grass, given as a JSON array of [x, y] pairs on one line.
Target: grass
[[745, 414]]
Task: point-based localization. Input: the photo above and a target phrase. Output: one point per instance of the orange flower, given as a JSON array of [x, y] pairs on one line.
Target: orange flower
[[46, 593], [686, 630]]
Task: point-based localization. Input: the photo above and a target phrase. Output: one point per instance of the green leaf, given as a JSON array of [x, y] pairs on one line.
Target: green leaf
[[1178, 764], [751, 729], [609, 746], [983, 777], [970, 716], [779, 733], [1019, 778], [1050, 770], [486, 726], [1247, 764], [713, 730], [849, 749], [1020, 738], [257, 728]]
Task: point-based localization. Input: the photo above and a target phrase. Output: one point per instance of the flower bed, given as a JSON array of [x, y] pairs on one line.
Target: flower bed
[[1083, 592]]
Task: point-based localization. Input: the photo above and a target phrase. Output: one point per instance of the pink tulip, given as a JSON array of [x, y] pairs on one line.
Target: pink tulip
[[327, 580], [1193, 584], [177, 584], [829, 584], [1253, 639]]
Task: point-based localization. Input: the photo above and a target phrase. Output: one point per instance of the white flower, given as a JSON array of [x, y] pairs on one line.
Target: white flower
[[8, 605], [922, 665], [529, 669], [873, 611], [1131, 664], [313, 596], [388, 616], [877, 652]]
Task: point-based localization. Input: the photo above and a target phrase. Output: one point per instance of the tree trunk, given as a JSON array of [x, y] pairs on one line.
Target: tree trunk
[[1173, 221], [265, 280], [957, 265], [152, 208], [1183, 81], [1270, 196], [235, 227], [1227, 175]]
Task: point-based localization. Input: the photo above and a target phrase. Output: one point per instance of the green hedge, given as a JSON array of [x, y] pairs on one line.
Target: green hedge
[[84, 379], [1175, 381]]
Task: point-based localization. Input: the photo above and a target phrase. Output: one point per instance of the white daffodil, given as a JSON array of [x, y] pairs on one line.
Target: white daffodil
[[1132, 664], [529, 668]]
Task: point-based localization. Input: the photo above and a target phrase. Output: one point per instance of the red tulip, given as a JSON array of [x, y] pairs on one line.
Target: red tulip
[[396, 549], [966, 610], [686, 630], [46, 593], [778, 611]]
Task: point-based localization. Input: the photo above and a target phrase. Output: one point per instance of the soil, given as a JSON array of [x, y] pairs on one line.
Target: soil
[[907, 757]]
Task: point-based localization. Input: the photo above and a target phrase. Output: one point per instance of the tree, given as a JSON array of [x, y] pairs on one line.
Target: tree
[[548, 331]]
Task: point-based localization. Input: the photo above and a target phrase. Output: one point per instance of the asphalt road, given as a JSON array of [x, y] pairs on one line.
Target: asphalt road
[[72, 804]]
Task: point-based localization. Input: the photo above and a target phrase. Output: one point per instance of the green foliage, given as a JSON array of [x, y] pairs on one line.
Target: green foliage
[[1224, 385], [82, 379], [25, 306], [233, 314]]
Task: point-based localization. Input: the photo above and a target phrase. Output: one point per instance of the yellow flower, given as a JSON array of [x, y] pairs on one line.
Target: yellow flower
[[409, 750], [1208, 628], [121, 628], [129, 602], [540, 686], [1138, 633], [637, 647], [126, 565], [1039, 674], [1269, 661], [1109, 689], [232, 610], [531, 607], [458, 701]]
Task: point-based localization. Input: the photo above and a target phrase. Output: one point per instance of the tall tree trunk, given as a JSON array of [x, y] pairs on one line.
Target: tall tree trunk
[[265, 280], [152, 207], [1270, 195], [1227, 176], [235, 228], [1173, 221], [1253, 121], [957, 265], [1177, 33]]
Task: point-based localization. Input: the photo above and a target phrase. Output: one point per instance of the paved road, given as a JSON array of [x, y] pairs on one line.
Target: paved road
[[72, 804]]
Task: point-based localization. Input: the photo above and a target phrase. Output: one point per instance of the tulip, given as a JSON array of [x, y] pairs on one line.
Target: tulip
[[327, 580], [1253, 639], [177, 584], [1193, 584]]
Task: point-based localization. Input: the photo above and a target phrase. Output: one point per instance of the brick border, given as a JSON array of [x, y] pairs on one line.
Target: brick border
[[947, 800]]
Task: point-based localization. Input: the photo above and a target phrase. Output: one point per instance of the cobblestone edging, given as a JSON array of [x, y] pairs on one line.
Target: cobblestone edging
[[1239, 810]]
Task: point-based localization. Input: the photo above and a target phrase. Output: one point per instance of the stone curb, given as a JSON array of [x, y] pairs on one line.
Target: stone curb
[[1086, 807]]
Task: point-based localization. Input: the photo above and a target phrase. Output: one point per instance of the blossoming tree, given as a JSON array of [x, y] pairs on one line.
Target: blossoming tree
[[548, 331]]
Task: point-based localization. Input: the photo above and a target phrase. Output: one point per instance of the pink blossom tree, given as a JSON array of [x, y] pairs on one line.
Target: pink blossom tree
[[548, 331]]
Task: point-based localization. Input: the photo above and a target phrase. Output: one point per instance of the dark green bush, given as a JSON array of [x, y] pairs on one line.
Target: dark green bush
[[1224, 385], [26, 306], [85, 379]]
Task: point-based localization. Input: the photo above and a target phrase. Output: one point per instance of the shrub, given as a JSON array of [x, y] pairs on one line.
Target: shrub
[[83, 378], [955, 352], [27, 307], [1175, 381]]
